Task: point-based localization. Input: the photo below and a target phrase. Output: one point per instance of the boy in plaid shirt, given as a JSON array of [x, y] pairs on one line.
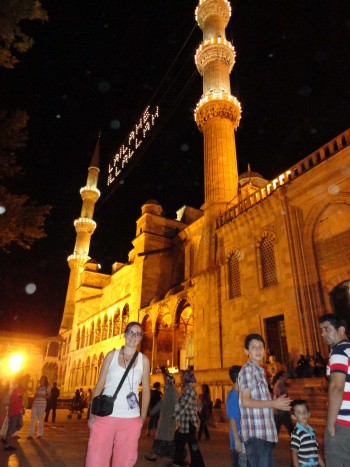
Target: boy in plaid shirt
[[257, 422], [186, 416]]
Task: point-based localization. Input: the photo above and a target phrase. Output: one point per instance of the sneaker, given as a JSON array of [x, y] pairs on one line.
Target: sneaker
[[9, 448]]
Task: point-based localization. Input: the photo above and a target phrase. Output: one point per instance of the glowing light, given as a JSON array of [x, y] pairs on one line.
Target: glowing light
[[135, 139], [30, 288], [16, 362], [90, 188], [217, 96], [2, 209], [84, 220]]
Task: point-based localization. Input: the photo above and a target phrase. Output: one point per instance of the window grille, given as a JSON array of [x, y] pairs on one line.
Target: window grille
[[268, 262], [234, 276]]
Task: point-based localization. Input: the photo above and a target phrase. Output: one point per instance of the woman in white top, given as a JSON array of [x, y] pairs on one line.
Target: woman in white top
[[117, 434], [38, 408]]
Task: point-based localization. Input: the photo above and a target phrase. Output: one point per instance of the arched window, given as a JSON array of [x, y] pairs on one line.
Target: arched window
[[78, 339], [82, 338], [99, 364], [116, 323], [98, 331], [105, 328], [87, 372], [234, 275], [110, 328], [268, 261], [92, 333], [125, 318]]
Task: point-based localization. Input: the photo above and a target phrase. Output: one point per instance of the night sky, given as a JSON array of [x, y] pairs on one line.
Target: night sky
[[97, 64]]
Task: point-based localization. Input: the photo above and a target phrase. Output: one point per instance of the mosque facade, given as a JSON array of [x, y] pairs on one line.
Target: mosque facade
[[258, 256]]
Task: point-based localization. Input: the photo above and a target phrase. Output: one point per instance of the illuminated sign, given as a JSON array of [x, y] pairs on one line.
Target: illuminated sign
[[127, 151]]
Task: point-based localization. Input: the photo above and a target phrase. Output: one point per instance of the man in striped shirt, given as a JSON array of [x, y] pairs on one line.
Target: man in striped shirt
[[337, 434], [257, 422]]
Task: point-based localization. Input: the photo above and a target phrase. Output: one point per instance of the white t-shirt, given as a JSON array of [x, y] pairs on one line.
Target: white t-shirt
[[131, 384]]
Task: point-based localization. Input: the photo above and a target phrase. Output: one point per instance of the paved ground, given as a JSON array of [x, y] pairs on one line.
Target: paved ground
[[64, 445]]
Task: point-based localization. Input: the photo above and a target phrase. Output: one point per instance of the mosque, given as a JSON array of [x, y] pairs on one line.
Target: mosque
[[266, 256]]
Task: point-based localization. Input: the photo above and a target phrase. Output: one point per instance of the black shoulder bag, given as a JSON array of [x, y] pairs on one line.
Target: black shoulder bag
[[102, 405]]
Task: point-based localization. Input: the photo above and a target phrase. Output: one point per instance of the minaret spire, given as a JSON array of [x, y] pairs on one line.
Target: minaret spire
[[218, 112], [84, 227]]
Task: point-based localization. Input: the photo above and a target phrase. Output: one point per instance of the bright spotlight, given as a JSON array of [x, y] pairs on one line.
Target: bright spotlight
[[16, 362]]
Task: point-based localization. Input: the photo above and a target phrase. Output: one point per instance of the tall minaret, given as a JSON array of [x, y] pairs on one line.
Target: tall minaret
[[84, 227], [218, 112]]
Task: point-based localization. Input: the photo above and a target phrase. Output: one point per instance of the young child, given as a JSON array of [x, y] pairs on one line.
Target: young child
[[304, 444], [239, 457], [257, 423]]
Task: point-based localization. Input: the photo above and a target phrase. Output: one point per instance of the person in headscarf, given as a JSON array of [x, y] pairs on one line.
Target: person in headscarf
[[163, 446], [185, 414]]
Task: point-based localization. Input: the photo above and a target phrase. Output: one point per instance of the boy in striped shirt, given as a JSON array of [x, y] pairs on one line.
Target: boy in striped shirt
[[304, 444]]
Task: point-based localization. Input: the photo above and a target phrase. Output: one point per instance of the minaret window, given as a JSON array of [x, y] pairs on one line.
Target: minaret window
[[268, 261], [234, 275]]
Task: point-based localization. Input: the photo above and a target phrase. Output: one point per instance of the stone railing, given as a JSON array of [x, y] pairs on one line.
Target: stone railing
[[306, 164]]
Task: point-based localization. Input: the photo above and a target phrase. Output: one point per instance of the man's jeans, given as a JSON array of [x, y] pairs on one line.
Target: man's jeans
[[259, 452]]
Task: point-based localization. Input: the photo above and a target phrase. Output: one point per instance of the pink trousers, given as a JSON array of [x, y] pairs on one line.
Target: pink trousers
[[113, 436]]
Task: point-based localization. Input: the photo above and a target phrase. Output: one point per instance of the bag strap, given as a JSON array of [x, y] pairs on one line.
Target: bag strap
[[125, 375]]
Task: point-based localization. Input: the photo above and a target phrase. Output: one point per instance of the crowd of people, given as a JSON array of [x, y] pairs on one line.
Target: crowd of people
[[255, 409]]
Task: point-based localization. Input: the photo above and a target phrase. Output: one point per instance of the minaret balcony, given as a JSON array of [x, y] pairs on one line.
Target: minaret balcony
[[77, 261], [217, 104], [217, 48], [90, 193], [83, 224], [208, 8]]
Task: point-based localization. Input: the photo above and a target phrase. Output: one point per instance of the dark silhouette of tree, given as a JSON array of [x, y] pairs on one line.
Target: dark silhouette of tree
[[12, 39], [21, 221]]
